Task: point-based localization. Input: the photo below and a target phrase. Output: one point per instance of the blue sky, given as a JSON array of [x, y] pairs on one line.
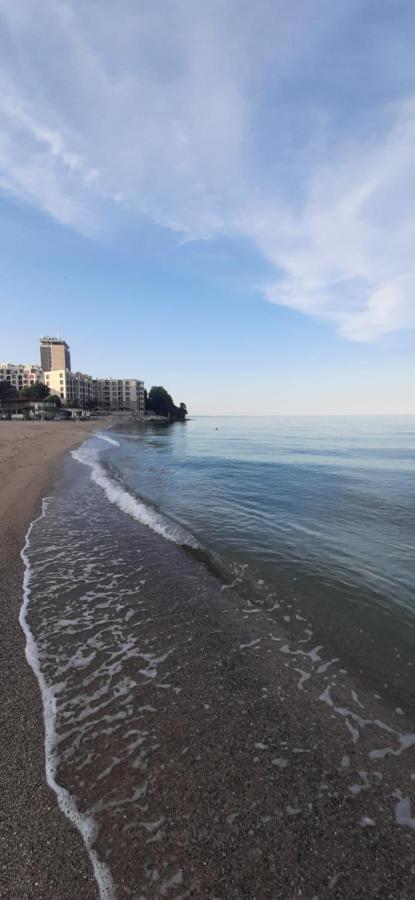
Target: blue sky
[[218, 197]]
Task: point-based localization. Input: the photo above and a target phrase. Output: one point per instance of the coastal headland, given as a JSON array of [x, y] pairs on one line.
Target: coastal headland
[[42, 854]]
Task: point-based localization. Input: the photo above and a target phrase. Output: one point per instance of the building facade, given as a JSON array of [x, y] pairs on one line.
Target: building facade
[[21, 375], [54, 354], [111, 394], [118, 394], [78, 389], [73, 388]]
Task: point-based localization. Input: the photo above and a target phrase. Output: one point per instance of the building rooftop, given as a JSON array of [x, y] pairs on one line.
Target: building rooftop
[[10, 365], [111, 378], [46, 339], [69, 372]]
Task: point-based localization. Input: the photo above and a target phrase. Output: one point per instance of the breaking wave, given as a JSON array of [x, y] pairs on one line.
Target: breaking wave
[[130, 504], [109, 440]]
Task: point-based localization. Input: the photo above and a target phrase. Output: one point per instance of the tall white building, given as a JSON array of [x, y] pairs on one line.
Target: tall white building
[[21, 375]]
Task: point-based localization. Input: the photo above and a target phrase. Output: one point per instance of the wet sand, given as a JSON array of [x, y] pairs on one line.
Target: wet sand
[[42, 855]]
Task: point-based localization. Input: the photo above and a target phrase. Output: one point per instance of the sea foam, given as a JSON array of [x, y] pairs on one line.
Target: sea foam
[[109, 440], [85, 824], [130, 504]]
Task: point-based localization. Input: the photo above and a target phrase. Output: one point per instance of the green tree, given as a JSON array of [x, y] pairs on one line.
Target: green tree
[[55, 400], [36, 391], [8, 391], [160, 401]]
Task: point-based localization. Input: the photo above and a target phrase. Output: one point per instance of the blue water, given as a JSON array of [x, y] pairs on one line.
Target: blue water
[[166, 689], [320, 509]]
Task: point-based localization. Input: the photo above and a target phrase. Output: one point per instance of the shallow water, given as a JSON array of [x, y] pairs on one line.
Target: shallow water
[[320, 510], [190, 726]]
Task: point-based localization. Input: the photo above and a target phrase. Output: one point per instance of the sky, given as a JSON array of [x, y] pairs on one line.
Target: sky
[[217, 197]]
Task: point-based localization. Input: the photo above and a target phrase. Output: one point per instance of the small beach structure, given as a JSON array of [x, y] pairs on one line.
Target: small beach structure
[[24, 408]]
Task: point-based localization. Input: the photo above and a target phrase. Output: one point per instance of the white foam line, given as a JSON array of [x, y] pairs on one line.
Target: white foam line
[[228, 587], [403, 813], [304, 677], [67, 804], [103, 437], [251, 644], [128, 503]]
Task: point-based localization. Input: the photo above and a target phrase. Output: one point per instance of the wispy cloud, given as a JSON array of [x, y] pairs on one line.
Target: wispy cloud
[[39, 167], [221, 119], [348, 255]]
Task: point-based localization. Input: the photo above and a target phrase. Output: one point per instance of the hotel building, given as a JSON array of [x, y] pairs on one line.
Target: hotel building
[[21, 376], [121, 394], [111, 394], [73, 388], [54, 354]]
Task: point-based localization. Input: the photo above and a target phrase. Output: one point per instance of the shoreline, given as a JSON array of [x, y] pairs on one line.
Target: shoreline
[[305, 783], [43, 854], [218, 753]]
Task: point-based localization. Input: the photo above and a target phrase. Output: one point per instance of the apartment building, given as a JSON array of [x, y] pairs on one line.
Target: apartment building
[[21, 375], [121, 394], [112, 394], [54, 354], [73, 388]]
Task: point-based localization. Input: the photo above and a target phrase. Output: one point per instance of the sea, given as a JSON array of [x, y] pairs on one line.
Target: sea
[[308, 521]]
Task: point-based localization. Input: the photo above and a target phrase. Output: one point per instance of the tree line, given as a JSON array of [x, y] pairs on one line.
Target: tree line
[[157, 401], [35, 392]]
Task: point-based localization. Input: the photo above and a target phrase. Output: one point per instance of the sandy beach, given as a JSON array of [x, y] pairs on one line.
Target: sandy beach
[[42, 855], [219, 755]]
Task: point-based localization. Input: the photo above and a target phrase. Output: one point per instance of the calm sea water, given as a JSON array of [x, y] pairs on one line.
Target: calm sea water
[[321, 509], [139, 649]]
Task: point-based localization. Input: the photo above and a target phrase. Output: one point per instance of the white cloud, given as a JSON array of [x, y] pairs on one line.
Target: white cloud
[[391, 307], [196, 115], [38, 167], [349, 255]]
